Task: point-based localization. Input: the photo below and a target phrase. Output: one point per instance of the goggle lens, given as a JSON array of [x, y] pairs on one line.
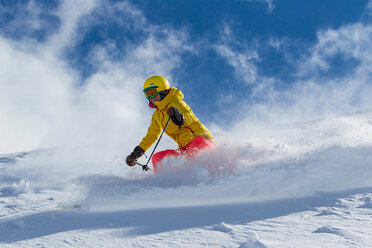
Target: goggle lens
[[151, 93]]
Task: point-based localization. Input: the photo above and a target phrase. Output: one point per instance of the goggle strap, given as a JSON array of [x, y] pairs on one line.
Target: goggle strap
[[149, 88]]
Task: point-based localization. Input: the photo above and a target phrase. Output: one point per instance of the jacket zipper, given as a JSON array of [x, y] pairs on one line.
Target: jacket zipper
[[162, 119]]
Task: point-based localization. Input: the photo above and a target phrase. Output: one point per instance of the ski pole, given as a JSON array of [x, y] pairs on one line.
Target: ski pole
[[144, 166]]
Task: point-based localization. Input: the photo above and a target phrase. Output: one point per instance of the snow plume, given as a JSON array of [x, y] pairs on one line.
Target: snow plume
[[45, 102], [297, 160], [37, 88], [86, 124], [314, 135]]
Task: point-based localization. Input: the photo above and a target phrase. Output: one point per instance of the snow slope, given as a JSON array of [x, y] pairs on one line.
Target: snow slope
[[298, 185]]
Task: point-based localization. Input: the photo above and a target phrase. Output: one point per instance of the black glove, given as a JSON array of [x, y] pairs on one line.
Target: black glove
[[176, 116], [132, 158]]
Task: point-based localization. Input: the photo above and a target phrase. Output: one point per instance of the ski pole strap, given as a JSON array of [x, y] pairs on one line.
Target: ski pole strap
[[144, 167]]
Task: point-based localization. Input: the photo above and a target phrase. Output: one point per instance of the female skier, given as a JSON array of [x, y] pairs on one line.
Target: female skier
[[185, 129]]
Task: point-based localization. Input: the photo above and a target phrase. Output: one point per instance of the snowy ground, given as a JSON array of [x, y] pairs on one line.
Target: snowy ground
[[298, 185]]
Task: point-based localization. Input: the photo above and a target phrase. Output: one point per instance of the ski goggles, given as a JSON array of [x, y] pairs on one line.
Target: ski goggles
[[152, 92]]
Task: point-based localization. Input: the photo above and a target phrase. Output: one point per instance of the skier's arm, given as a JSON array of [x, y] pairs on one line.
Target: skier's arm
[[176, 116], [132, 158], [152, 134], [184, 110]]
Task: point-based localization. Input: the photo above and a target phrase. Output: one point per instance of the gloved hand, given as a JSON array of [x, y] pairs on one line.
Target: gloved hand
[[176, 116], [132, 158]]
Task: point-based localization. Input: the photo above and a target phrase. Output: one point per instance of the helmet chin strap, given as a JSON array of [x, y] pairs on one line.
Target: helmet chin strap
[[151, 104]]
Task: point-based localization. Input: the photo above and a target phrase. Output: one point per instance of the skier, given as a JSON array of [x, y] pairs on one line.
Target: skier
[[190, 135]]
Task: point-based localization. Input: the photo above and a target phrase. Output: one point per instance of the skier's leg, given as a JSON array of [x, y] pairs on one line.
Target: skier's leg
[[196, 145], [158, 157]]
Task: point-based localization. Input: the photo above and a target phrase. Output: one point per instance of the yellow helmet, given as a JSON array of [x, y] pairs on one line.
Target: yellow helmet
[[158, 82]]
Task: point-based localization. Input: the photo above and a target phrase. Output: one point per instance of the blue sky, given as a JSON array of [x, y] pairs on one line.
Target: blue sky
[[233, 60]]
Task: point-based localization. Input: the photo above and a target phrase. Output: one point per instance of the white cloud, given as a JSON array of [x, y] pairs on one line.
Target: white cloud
[[43, 103], [351, 41], [70, 14], [312, 94], [270, 4], [369, 6], [314, 97], [30, 18], [243, 62], [158, 53], [339, 94]]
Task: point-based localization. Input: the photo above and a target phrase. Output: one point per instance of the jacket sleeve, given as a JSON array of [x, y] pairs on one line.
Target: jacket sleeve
[[152, 134]]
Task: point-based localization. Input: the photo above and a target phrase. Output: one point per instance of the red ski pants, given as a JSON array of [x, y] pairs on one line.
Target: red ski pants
[[193, 148]]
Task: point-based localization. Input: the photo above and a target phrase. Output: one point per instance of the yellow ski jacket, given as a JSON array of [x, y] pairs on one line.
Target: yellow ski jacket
[[183, 134]]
